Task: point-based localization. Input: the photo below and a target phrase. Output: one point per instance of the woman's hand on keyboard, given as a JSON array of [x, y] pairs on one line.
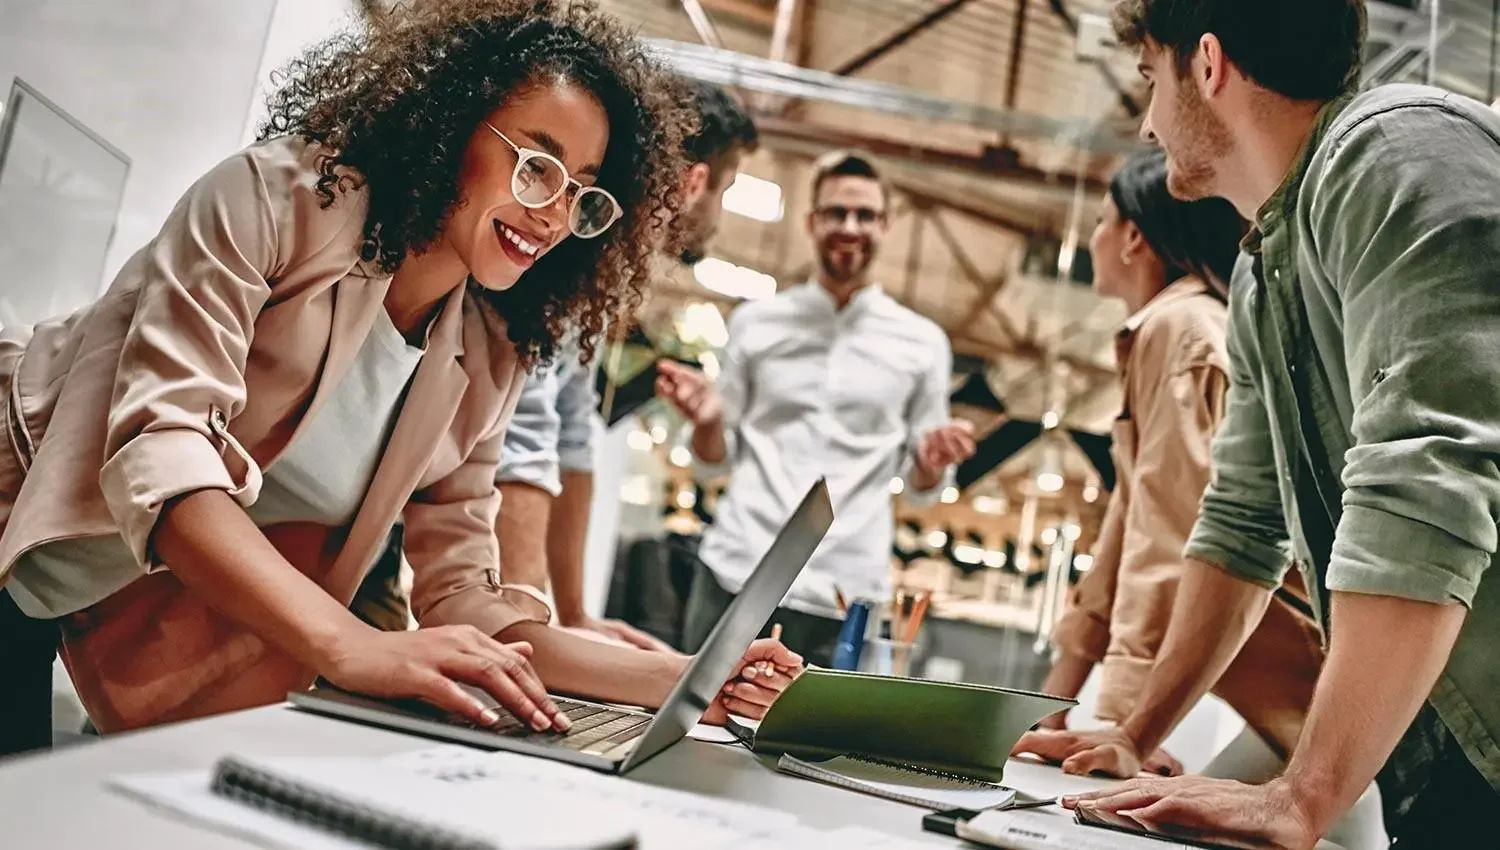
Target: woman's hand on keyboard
[[767, 669], [434, 664]]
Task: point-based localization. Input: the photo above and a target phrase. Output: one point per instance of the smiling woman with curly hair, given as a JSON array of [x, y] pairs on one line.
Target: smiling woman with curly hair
[[329, 333]]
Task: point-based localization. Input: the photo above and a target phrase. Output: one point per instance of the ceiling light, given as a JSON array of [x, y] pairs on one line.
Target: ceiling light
[[755, 198], [700, 323], [680, 456], [1049, 536], [966, 554], [1083, 563], [950, 495], [636, 490], [1049, 474], [1091, 494], [735, 281], [1050, 420], [994, 559], [989, 505], [937, 539], [686, 499], [638, 440], [897, 486]]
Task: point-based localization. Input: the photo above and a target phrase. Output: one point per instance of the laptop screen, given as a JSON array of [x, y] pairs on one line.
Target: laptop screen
[[746, 617]]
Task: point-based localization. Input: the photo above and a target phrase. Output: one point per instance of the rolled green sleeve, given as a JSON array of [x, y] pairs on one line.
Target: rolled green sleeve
[[1407, 220], [1241, 526]]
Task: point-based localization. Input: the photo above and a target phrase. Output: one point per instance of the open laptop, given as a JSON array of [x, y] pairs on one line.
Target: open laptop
[[616, 740]]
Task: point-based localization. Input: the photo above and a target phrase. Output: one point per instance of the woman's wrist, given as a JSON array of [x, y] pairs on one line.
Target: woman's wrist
[[325, 644]]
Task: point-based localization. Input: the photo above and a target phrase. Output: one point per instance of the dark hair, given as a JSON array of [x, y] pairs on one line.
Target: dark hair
[[1201, 238], [1301, 49], [395, 103], [723, 128], [846, 164]]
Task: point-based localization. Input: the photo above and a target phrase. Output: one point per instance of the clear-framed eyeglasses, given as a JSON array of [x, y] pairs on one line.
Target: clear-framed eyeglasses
[[540, 179]]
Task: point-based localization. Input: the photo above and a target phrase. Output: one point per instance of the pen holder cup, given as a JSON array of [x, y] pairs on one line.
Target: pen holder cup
[[885, 657]]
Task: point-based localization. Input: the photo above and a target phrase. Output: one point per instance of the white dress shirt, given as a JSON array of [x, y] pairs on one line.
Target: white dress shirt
[[810, 390]]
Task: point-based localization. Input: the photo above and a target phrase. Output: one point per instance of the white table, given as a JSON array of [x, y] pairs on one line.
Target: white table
[[58, 801]]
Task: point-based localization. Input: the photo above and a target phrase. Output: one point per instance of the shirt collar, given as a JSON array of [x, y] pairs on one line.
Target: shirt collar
[[1284, 201], [861, 300], [1179, 291]]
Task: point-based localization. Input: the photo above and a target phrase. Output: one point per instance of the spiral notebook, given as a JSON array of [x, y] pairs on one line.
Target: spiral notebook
[[909, 784], [343, 804]]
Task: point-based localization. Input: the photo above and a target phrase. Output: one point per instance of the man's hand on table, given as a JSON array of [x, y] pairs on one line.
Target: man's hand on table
[[1217, 810], [1107, 751]]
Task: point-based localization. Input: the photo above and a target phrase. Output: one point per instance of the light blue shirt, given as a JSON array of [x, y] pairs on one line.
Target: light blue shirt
[[553, 426]]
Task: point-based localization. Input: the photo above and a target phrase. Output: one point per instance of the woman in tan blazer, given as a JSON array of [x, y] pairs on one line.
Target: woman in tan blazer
[[1170, 262], [328, 335]]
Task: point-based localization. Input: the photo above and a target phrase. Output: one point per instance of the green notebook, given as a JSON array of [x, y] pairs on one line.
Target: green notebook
[[964, 730]]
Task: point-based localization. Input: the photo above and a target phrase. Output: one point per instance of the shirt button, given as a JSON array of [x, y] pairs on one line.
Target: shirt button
[[1276, 274]]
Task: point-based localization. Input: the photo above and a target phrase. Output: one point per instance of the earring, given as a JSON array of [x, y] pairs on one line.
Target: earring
[[1125, 258]]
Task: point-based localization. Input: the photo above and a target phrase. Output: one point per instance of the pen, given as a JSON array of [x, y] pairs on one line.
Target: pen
[[838, 596], [765, 668]]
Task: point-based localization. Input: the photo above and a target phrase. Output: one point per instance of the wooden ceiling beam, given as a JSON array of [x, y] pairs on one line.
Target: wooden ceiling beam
[[1001, 167], [745, 10], [899, 37]]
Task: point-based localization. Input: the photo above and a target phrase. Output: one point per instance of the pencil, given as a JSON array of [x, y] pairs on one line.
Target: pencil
[[914, 625], [776, 631]]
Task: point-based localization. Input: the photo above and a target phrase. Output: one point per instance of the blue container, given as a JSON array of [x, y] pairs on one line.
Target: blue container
[[852, 637]]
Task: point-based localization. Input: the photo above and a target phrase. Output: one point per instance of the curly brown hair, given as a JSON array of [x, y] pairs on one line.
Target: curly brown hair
[[397, 100]]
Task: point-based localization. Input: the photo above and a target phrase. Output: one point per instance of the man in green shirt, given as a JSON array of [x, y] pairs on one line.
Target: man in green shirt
[[1362, 438]]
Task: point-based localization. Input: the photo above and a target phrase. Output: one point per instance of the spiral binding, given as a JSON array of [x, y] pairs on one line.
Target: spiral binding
[[274, 795], [915, 768]]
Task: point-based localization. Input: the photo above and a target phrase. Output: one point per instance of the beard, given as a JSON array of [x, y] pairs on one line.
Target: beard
[[1201, 141], [838, 266]]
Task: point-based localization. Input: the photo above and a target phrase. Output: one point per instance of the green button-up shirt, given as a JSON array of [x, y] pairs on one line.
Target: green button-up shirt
[[1362, 435]]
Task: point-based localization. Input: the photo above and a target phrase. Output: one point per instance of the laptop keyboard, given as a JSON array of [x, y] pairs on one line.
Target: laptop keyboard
[[595, 729]]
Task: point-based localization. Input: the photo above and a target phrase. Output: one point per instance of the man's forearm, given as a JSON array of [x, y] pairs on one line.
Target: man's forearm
[[1065, 679], [1385, 657], [578, 666], [923, 480], [521, 528], [567, 532], [1214, 614], [1067, 675], [708, 442]]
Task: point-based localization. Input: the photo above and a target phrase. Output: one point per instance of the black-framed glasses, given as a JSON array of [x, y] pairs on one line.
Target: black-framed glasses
[[835, 216], [540, 179]]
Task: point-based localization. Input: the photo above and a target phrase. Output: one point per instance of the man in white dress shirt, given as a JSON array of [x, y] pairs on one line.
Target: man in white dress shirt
[[830, 378]]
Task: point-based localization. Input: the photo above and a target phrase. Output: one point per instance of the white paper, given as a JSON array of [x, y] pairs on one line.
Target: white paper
[[712, 734], [663, 817], [1032, 830]]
